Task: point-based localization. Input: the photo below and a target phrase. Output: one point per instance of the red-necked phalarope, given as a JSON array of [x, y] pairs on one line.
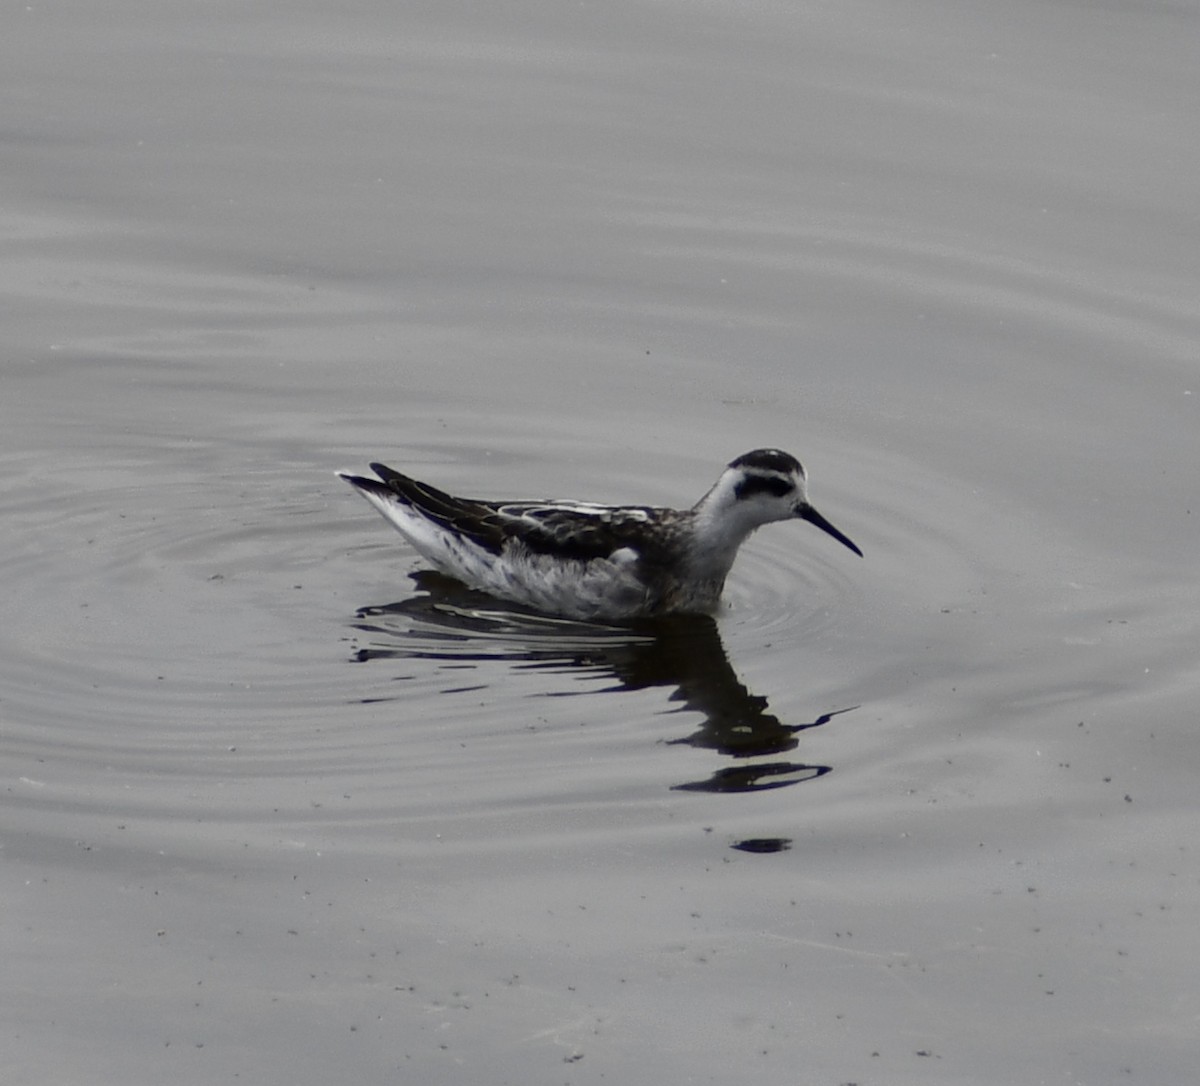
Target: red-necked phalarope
[[597, 562]]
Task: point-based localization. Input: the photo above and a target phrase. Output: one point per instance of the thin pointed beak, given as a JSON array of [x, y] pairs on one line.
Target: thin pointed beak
[[807, 512]]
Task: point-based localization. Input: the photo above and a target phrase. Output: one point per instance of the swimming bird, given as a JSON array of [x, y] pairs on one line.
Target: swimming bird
[[597, 562]]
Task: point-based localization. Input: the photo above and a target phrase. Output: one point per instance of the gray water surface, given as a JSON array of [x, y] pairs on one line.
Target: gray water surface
[[279, 807]]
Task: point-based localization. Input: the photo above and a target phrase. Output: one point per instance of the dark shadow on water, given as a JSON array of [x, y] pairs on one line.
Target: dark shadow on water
[[763, 845], [755, 778], [454, 625]]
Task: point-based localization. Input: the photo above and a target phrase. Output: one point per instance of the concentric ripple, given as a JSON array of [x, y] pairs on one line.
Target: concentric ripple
[[208, 633]]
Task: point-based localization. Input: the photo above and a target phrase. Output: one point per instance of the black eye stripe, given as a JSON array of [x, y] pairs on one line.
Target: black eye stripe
[[774, 485]]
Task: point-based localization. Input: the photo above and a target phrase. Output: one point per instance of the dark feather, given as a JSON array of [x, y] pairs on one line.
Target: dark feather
[[476, 521], [545, 528], [585, 534]]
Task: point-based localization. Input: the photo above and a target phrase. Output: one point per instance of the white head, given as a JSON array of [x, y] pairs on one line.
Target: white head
[[757, 488]]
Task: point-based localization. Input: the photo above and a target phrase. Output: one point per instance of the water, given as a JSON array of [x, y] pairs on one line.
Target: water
[[275, 810]]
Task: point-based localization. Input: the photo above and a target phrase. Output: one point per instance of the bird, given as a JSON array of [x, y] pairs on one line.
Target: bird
[[597, 563]]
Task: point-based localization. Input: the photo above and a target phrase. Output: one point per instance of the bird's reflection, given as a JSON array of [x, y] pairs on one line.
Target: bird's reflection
[[453, 623]]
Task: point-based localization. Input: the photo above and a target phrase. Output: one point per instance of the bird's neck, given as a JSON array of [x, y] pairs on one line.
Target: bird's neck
[[718, 532]]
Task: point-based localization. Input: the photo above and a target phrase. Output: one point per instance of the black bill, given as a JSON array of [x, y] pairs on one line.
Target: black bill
[[807, 512]]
